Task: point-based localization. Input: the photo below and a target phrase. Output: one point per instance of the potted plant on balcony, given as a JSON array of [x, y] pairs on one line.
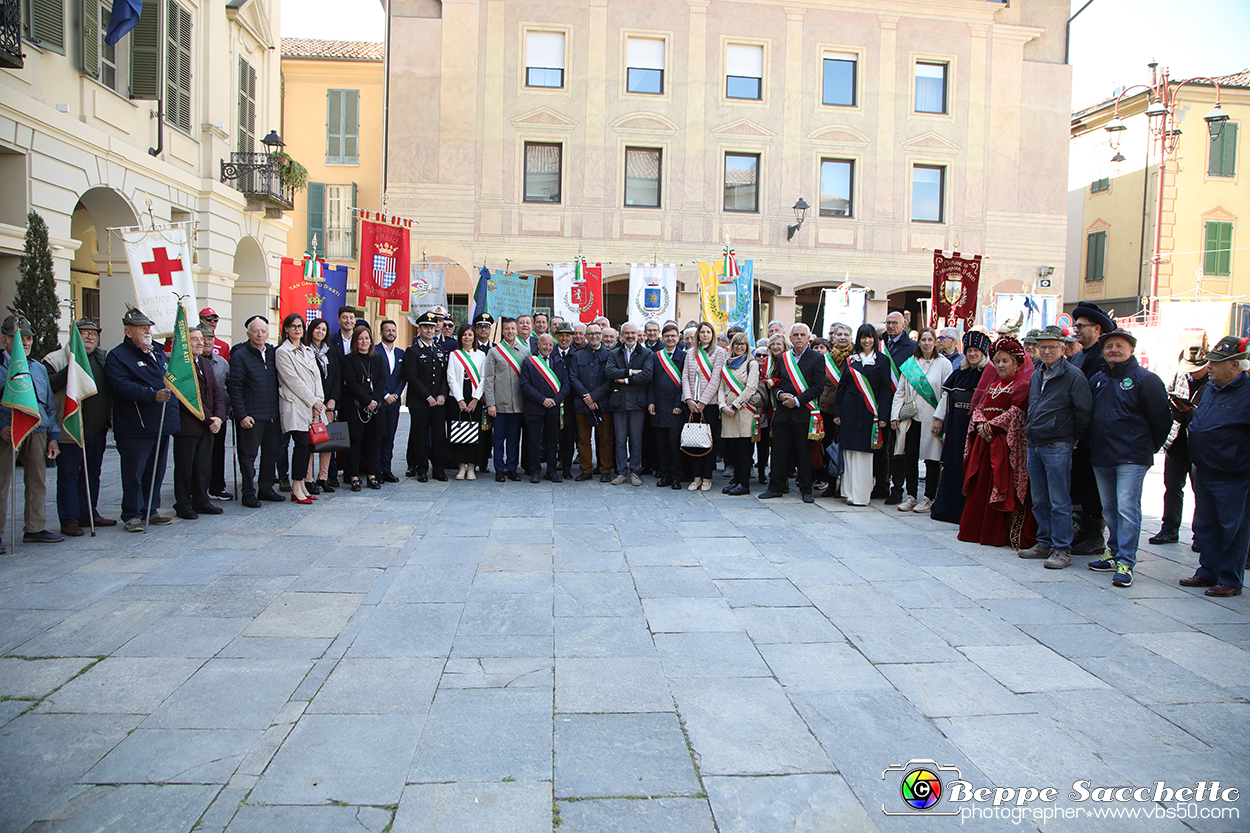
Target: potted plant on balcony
[[291, 173]]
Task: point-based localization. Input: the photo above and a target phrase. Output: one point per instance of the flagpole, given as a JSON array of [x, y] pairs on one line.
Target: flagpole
[[13, 492], [86, 481], [152, 488]]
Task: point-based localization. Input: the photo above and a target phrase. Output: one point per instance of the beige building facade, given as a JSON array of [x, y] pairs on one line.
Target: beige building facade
[[81, 143], [519, 132]]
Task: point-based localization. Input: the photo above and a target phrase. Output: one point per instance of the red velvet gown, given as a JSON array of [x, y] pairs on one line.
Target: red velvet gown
[[996, 478]]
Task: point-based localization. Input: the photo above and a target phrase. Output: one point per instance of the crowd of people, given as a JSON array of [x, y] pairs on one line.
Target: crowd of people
[[1040, 442]]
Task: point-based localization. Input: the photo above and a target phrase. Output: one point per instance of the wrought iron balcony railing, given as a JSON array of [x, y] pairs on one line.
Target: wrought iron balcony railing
[[11, 34], [256, 176]]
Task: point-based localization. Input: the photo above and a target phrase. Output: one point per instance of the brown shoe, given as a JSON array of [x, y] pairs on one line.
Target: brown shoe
[[1196, 581], [104, 521], [71, 529], [1222, 591]]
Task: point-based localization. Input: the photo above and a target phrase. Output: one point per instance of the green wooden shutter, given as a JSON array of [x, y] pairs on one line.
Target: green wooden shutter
[[317, 217], [1222, 156], [334, 121], [90, 37], [178, 66], [247, 107], [1095, 256], [145, 54], [351, 213], [1217, 257], [351, 126], [47, 23]]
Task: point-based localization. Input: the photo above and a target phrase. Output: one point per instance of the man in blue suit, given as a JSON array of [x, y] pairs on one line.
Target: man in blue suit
[[631, 366], [544, 386], [393, 364]]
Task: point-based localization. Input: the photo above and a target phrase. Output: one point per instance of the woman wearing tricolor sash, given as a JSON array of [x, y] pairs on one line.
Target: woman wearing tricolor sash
[[841, 347], [700, 386], [863, 393], [915, 401], [464, 382], [739, 400]]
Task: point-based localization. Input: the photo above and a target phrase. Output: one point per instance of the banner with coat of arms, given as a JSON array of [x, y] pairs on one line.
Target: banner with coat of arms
[[160, 266], [652, 293], [727, 293], [577, 290], [956, 283], [384, 258], [429, 288], [313, 288]]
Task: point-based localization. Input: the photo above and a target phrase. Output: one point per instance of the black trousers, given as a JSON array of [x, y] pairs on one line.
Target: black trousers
[[193, 460], [791, 448], [649, 457], [386, 435], [704, 466], [264, 436], [542, 437], [568, 438], [300, 455], [423, 422], [905, 467], [364, 451], [763, 447], [881, 464], [738, 455], [217, 480], [1175, 471], [668, 452]]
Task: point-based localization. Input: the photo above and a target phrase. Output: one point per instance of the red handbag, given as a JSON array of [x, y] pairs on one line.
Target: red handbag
[[317, 433]]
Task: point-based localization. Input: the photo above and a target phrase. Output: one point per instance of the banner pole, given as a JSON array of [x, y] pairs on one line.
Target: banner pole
[[13, 492]]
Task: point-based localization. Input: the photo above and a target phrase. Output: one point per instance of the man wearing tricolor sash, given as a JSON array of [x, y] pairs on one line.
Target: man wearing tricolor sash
[[504, 402], [798, 380], [666, 408], [545, 385], [898, 348]]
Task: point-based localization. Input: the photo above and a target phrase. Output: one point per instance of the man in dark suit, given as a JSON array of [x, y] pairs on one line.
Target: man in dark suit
[[254, 395], [340, 346], [545, 386], [392, 388], [631, 366], [425, 369], [901, 348], [193, 442], [664, 406], [567, 351], [792, 416], [1091, 324], [588, 401]]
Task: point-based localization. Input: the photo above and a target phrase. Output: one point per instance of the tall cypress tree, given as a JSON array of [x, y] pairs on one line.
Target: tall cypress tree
[[36, 289]]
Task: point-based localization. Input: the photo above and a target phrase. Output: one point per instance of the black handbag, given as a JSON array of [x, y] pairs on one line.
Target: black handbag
[[336, 439]]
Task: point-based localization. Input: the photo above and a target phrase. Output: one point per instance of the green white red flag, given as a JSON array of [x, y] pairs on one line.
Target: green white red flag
[[79, 384], [19, 394]]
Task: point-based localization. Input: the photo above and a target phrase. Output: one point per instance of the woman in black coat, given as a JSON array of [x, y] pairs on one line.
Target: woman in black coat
[[363, 380], [865, 382], [328, 364], [666, 408]]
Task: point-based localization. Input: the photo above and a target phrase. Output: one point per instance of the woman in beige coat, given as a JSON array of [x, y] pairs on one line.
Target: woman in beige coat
[[700, 380], [300, 400], [740, 401]]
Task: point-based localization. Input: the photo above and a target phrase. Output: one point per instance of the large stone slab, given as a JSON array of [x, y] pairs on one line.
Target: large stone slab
[[122, 685], [789, 802], [230, 694], [658, 815], [160, 809], [485, 735], [611, 684], [378, 686], [407, 630], [602, 636], [33, 678], [475, 808], [601, 755], [596, 594], [1030, 668], [174, 756], [689, 616], [326, 818], [305, 614], [710, 655]]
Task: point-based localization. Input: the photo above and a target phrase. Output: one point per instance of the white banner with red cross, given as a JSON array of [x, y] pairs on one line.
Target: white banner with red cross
[[160, 266]]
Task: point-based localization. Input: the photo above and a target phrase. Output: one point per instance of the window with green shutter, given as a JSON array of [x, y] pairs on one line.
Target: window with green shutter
[[1096, 257], [317, 218], [342, 127], [145, 54], [247, 107], [178, 66], [90, 34], [45, 23], [1223, 156], [1217, 259]]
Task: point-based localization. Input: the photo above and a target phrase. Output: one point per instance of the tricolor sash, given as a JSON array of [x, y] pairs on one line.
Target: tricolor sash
[[831, 370], [894, 375], [870, 399], [796, 376], [919, 381], [704, 363], [547, 373], [735, 386], [509, 355], [669, 367], [470, 367]]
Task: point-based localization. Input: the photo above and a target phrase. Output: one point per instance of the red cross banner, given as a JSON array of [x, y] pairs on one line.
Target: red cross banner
[[956, 284], [160, 266], [384, 259]]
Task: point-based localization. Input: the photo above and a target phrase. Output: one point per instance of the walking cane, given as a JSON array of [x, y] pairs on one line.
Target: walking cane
[[147, 513]]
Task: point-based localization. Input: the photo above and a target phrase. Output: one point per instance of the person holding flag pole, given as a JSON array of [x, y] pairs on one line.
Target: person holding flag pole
[[28, 422]]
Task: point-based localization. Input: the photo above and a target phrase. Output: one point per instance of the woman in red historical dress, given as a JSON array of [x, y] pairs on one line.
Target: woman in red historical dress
[[996, 479]]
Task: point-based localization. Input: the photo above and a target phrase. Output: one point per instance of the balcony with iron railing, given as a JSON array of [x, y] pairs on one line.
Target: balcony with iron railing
[[11, 34], [257, 176]]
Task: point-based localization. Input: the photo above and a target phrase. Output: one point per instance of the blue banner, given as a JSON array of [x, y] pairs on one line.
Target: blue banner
[[743, 313], [333, 293], [509, 295]]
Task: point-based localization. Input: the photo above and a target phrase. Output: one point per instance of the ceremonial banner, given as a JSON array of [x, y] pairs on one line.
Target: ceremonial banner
[[509, 294], [577, 291], [844, 305], [180, 375], [333, 294], [728, 301], [384, 262], [652, 293], [956, 282], [479, 294], [429, 288], [79, 384], [160, 266], [318, 297], [19, 394]]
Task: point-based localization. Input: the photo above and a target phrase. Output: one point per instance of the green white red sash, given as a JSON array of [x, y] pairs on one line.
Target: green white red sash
[[831, 370], [510, 356], [470, 367], [547, 373], [666, 362], [796, 377], [870, 399], [704, 363], [894, 374], [735, 386]]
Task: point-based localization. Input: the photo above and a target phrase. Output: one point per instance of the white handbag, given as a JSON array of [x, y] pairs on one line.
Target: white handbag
[[696, 437]]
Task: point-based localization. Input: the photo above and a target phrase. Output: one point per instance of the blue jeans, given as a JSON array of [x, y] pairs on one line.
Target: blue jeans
[[1050, 480], [628, 426], [1222, 528], [507, 436], [71, 489], [1119, 489]]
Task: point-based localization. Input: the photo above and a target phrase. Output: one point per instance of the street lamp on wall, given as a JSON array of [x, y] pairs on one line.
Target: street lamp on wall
[[800, 213]]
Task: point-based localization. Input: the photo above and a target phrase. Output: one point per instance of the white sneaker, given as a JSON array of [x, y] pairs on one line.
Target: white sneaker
[[908, 504], [923, 506], [470, 473], [460, 473]]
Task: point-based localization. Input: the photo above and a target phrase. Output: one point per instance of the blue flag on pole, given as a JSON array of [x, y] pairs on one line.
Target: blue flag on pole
[[333, 294], [123, 18], [479, 294]]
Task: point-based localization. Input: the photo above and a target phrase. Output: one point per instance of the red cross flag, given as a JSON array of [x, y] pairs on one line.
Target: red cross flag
[[160, 265]]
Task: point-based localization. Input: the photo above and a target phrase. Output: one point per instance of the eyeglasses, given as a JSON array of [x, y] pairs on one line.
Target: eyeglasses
[[1081, 326]]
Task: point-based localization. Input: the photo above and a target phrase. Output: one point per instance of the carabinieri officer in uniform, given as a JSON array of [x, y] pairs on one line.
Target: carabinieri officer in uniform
[[425, 370]]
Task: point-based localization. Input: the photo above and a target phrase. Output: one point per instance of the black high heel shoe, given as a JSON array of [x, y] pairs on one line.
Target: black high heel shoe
[[356, 487], [374, 484], [325, 487], [311, 487]]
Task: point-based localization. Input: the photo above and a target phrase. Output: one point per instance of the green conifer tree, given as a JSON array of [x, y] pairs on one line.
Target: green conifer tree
[[36, 288]]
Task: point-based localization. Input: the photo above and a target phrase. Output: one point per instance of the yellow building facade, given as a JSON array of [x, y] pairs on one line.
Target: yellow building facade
[[523, 131], [1116, 216]]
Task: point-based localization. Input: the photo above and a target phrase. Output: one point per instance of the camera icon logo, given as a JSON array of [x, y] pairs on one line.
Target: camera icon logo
[[921, 787]]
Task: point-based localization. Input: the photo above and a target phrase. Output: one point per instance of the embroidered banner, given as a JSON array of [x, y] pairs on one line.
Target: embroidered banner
[[160, 266], [428, 289], [956, 282], [384, 261], [509, 294], [652, 293], [577, 291]]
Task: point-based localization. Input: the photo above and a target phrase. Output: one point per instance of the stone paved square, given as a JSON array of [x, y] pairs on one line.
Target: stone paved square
[[582, 657]]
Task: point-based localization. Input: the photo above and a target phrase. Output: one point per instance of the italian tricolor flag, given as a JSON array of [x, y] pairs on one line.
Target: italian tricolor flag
[[79, 384]]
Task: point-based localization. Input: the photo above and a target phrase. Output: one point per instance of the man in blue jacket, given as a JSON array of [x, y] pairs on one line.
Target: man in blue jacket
[[1219, 446], [544, 385], [589, 379], [253, 391], [1131, 421], [392, 389], [136, 374]]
